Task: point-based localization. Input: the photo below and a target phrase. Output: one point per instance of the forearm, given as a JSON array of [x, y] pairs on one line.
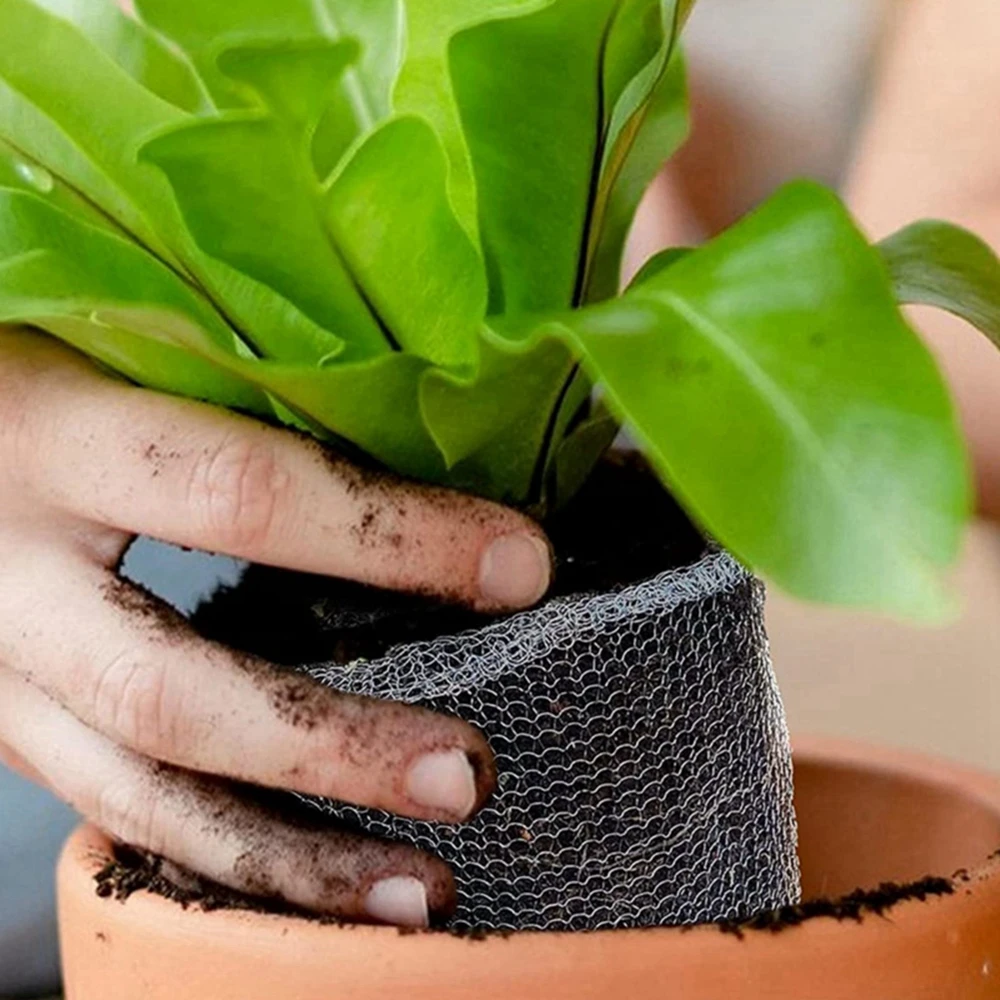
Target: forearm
[[931, 147]]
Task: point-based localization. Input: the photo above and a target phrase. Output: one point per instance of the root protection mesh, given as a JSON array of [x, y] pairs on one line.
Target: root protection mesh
[[644, 766]]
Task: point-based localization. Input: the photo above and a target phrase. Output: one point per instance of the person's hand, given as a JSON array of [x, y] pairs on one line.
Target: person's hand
[[108, 698]]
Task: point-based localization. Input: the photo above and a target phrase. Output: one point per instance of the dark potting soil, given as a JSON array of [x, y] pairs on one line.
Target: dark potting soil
[[854, 906], [623, 527], [131, 871]]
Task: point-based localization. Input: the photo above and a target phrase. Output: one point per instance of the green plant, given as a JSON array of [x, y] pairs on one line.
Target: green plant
[[398, 224]]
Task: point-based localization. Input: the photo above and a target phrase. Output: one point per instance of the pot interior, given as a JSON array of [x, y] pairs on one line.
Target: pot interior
[[861, 826]]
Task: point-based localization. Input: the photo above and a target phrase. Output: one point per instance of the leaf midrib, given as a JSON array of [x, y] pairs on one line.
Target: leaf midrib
[[772, 394]]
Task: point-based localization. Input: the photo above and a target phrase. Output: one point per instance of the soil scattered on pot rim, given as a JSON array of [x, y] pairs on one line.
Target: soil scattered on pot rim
[[130, 871], [854, 906]]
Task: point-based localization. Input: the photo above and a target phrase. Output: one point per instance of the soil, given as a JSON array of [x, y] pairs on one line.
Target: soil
[[855, 906], [131, 871], [623, 527]]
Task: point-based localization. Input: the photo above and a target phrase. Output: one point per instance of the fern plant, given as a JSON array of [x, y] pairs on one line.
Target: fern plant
[[398, 225]]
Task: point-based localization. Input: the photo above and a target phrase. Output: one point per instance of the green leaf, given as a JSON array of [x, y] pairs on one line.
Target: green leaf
[[330, 253], [217, 168], [634, 40], [203, 29], [574, 405], [372, 404], [391, 216], [145, 56], [22, 173], [528, 90], [940, 264], [55, 270], [641, 47], [773, 382], [48, 257], [294, 80], [304, 85], [492, 427], [659, 263], [54, 87], [156, 365], [647, 121], [380, 27], [579, 452], [425, 82], [653, 133]]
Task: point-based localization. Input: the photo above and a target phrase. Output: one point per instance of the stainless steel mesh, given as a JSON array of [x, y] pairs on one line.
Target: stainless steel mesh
[[644, 767]]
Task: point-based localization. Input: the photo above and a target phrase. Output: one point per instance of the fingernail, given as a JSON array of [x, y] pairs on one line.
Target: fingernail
[[515, 571], [400, 900], [443, 782]]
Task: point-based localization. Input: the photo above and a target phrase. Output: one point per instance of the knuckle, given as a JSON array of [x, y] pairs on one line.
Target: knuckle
[[17, 426], [30, 364], [134, 701], [239, 488]]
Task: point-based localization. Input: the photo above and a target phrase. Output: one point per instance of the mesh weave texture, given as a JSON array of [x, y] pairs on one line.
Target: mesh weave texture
[[644, 766]]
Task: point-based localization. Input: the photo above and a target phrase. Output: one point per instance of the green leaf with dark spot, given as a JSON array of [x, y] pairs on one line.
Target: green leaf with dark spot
[[776, 387]]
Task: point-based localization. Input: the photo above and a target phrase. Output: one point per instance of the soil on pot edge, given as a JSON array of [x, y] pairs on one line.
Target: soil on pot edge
[[131, 871], [854, 906]]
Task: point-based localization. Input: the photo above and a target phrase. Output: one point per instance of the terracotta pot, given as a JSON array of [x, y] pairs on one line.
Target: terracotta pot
[[867, 816]]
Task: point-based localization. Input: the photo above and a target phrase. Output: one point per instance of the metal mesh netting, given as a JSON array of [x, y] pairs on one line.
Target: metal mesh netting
[[644, 766]]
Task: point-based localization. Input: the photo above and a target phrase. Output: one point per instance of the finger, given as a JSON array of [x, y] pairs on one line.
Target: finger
[[207, 827], [198, 476], [129, 667], [16, 763]]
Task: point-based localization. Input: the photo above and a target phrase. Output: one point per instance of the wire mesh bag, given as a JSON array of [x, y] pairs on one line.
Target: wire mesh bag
[[644, 766]]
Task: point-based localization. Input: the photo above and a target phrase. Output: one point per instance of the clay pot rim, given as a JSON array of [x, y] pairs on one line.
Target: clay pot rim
[[90, 850]]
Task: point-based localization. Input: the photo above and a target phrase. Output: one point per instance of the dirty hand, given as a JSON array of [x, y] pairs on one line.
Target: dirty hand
[[108, 699]]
